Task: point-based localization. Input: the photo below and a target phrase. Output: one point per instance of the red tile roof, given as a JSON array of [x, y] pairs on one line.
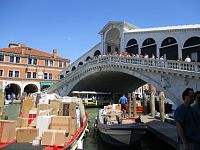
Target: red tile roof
[[28, 51]]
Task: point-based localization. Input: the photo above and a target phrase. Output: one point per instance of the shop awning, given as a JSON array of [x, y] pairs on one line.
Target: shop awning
[[46, 83]]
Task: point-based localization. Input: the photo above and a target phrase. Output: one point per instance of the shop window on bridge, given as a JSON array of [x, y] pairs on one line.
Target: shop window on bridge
[[1, 57], [169, 48], [66, 72], [61, 76], [132, 47], [149, 47], [73, 68], [88, 58], [97, 53], [12, 58], [16, 74], [108, 49], [80, 64], [191, 48]]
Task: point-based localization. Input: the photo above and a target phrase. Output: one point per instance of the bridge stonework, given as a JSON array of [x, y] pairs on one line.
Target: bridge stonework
[[171, 77], [125, 74]]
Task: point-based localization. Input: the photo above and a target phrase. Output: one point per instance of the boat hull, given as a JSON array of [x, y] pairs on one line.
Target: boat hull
[[121, 134]]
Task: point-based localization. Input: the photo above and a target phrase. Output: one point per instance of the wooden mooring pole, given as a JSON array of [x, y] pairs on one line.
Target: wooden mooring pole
[[129, 104], [134, 105], [152, 104], [162, 106]]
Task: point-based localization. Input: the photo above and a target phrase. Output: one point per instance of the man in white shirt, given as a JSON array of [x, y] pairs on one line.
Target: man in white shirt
[[187, 59]]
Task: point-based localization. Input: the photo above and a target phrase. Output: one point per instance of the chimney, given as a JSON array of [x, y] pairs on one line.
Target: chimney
[[23, 50], [54, 53]]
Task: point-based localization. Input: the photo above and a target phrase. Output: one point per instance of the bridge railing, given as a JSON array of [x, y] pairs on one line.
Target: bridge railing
[[167, 64], [158, 63]]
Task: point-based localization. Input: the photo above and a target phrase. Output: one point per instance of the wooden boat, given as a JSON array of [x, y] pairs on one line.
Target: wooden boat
[[74, 143], [124, 132]]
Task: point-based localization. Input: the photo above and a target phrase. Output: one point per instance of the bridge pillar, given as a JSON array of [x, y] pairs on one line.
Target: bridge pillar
[[162, 106]]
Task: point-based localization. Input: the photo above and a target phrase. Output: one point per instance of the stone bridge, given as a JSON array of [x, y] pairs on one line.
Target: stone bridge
[[119, 74]]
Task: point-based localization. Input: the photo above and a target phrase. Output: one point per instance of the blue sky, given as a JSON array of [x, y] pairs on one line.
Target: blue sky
[[72, 26]]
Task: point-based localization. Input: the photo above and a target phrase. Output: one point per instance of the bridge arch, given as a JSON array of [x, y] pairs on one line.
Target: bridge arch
[[12, 88], [132, 47], [112, 41], [31, 88], [149, 47], [191, 48], [92, 79], [169, 48], [97, 53]]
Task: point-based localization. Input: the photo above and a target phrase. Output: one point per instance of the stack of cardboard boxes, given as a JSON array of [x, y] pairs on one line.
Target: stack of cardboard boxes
[[112, 113], [50, 124]]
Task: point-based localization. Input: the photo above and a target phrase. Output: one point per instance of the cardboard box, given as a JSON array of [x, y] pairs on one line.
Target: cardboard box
[[43, 124], [22, 122], [53, 137], [26, 135], [8, 130], [73, 127], [67, 137], [61, 123], [67, 109], [28, 103], [43, 106], [55, 105], [118, 106]]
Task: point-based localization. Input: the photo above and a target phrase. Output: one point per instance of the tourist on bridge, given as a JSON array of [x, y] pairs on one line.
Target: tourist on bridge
[[187, 59], [187, 122], [123, 102]]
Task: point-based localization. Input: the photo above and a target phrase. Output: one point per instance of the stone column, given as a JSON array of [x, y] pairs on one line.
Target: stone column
[[134, 105], [129, 104], [162, 106], [152, 104]]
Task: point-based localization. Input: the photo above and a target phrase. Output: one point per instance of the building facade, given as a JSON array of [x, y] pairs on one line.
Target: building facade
[[25, 69]]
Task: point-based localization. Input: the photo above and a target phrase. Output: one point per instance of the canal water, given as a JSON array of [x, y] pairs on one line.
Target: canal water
[[92, 141]]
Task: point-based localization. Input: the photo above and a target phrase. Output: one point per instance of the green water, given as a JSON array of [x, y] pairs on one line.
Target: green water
[[12, 111], [92, 140]]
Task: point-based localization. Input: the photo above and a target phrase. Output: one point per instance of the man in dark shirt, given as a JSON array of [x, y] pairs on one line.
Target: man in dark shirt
[[186, 122]]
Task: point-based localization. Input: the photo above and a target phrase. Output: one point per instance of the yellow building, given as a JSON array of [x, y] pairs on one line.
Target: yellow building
[[25, 69]]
